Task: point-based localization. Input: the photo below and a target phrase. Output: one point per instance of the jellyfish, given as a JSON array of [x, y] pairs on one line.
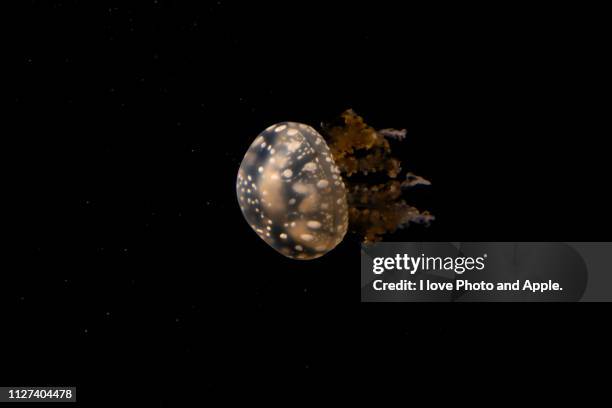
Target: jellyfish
[[296, 190]]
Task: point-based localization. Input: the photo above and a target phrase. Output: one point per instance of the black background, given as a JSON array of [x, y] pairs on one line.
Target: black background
[[133, 262]]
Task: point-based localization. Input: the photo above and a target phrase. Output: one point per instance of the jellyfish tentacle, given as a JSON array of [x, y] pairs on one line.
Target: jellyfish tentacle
[[397, 134], [412, 180], [374, 209]]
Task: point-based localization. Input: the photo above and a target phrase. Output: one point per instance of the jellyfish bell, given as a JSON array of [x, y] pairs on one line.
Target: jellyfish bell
[[291, 193], [299, 193]]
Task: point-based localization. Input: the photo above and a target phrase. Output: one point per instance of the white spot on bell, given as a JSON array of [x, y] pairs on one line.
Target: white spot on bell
[[310, 166], [313, 224], [293, 146], [322, 183]]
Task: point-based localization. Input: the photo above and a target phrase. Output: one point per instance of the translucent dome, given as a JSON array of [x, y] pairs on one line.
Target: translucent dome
[[291, 193]]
